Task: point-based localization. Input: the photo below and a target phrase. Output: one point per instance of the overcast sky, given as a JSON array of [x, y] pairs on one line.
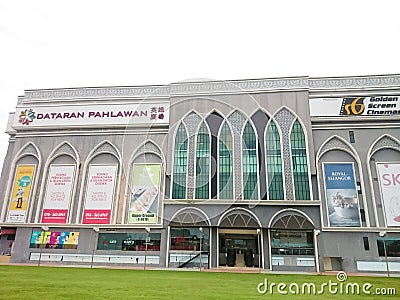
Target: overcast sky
[[57, 44]]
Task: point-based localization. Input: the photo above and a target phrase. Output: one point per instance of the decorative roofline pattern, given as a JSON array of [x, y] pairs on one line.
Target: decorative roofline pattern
[[216, 87]]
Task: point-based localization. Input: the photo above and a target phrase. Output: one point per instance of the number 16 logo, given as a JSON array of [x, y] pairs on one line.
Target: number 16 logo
[[354, 108]]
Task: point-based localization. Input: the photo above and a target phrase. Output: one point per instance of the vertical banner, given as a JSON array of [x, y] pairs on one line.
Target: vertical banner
[[341, 195], [58, 194], [389, 182], [145, 197], [20, 193], [99, 194]]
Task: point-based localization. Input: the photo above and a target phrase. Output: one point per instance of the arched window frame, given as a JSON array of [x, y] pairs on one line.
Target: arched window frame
[[174, 158], [209, 158], [280, 156], [249, 121], [232, 159], [297, 120]]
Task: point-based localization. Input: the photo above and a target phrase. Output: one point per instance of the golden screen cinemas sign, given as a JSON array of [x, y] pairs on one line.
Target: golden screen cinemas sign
[[355, 106], [92, 115]]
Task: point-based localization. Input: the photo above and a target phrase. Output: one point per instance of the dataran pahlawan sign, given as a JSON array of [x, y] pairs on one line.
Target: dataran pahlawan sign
[[92, 115], [355, 106]]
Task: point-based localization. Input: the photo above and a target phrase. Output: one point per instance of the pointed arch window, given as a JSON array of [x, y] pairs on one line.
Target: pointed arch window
[[299, 162], [250, 165], [203, 163], [225, 163], [180, 164], [274, 163]]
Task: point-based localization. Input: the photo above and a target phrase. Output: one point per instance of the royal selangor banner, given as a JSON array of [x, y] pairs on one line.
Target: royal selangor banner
[[355, 106], [21, 192], [145, 198], [389, 182], [341, 195], [99, 194], [58, 194], [54, 239], [92, 115]]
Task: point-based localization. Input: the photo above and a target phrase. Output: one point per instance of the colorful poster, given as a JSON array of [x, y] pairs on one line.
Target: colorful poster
[[99, 194], [58, 194], [389, 182], [145, 197], [341, 195], [55, 239], [21, 193]]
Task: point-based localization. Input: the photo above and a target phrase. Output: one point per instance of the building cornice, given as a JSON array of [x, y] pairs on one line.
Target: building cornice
[[215, 87], [354, 82]]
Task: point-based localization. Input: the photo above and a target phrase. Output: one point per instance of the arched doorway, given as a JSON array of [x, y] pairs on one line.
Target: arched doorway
[[189, 239], [292, 241], [239, 239]]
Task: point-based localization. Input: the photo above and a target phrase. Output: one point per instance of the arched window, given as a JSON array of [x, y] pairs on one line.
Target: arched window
[[203, 163], [250, 165], [180, 163], [299, 162], [225, 163], [274, 163]]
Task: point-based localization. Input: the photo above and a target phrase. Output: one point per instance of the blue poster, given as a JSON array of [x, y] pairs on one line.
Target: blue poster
[[341, 195]]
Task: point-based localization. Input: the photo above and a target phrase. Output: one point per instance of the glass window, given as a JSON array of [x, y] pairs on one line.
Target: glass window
[[274, 163], [128, 241], [299, 162], [180, 164], [249, 162], [188, 239], [392, 247], [203, 163], [225, 163], [288, 242]]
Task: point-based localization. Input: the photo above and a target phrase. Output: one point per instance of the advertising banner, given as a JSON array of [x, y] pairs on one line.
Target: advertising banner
[[21, 193], [99, 194], [58, 194], [341, 195], [389, 182], [54, 239], [92, 115], [355, 106], [145, 197]]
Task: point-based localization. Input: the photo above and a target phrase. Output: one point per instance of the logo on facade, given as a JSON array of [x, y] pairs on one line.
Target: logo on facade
[[27, 116], [352, 106]]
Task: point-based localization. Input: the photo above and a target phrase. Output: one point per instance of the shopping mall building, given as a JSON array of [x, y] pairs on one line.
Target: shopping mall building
[[299, 174]]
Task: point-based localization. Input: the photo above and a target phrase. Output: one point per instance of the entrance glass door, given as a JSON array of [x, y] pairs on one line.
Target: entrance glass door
[[238, 250]]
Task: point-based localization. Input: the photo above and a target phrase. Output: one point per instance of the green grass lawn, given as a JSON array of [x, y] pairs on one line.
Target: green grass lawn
[[32, 282]]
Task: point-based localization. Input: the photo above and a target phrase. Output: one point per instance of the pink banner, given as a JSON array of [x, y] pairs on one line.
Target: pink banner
[[96, 216], [58, 216]]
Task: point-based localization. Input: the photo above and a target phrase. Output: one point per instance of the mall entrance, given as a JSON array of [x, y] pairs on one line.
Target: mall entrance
[[239, 240], [238, 248]]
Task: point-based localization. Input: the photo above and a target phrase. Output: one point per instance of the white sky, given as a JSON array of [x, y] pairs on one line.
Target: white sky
[[53, 44]]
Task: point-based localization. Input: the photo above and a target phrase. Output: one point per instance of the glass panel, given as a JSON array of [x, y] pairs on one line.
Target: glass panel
[[203, 163], [249, 161], [287, 242], [274, 163], [299, 163], [189, 239], [180, 163], [128, 241], [225, 163], [392, 247]]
